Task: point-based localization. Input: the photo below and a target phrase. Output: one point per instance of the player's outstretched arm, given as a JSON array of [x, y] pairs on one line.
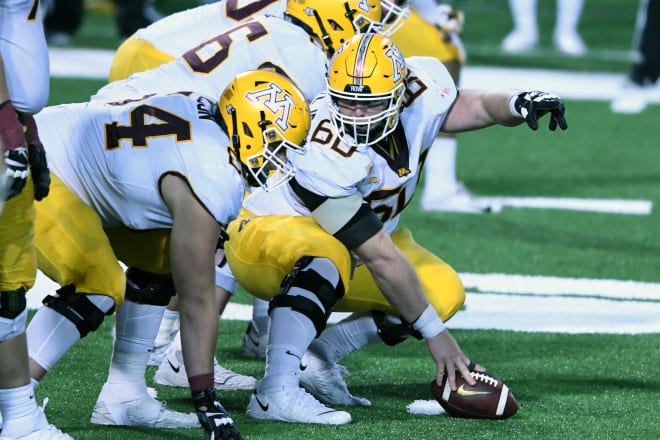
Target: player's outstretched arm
[[476, 109]]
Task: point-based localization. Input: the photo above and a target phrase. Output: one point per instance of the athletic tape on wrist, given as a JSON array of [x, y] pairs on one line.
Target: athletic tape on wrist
[[429, 323], [512, 106]]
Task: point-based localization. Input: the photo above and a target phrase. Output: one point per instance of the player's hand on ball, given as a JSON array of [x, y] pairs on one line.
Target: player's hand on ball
[[449, 359]]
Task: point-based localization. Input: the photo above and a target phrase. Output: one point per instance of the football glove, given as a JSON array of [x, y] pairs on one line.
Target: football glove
[[213, 417], [533, 105], [17, 172], [37, 158]]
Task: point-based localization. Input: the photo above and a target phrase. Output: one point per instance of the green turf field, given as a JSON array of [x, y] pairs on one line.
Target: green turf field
[[569, 386]]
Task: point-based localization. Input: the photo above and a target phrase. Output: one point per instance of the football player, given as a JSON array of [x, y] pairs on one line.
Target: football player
[[174, 35], [297, 246], [208, 44], [434, 30], [170, 166], [429, 29], [24, 88]]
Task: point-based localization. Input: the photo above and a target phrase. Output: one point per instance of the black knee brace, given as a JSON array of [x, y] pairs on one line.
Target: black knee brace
[[12, 303], [148, 288], [392, 333], [313, 282], [77, 308]]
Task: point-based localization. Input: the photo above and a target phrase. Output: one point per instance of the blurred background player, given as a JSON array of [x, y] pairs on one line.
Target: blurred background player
[[643, 75], [64, 17], [434, 30], [525, 34], [24, 89]]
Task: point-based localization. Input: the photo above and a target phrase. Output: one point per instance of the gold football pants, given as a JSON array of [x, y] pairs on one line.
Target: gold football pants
[[262, 250], [18, 258], [135, 55], [72, 247]]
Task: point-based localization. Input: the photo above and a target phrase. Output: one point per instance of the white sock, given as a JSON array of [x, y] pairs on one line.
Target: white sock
[[260, 314], [523, 13], [440, 169], [137, 327], [290, 335], [350, 334], [17, 403], [568, 16], [169, 326]]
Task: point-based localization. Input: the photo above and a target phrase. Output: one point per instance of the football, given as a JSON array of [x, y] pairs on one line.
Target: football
[[489, 398]]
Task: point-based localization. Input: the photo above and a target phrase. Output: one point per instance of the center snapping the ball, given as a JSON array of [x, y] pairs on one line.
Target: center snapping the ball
[[489, 398]]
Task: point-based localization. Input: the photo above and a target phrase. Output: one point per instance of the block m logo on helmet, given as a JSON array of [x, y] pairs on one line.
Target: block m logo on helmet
[[399, 68], [276, 100]]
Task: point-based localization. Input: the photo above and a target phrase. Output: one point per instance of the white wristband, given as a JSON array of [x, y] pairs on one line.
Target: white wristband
[[512, 106], [429, 323]]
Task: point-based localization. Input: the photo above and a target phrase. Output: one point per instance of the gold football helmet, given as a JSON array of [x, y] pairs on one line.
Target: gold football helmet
[[395, 13], [366, 85], [335, 21], [266, 116]]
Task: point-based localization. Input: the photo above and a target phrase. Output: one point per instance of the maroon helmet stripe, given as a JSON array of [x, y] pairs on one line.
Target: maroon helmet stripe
[[362, 50]]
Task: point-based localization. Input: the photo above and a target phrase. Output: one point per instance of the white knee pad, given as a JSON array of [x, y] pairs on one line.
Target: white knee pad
[[10, 328]]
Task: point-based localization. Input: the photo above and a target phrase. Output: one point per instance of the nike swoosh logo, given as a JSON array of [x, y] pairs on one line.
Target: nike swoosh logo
[[261, 405], [463, 392], [292, 354], [175, 369]]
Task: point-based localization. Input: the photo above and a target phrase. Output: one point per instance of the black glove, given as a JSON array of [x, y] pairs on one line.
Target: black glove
[[533, 105], [212, 416], [17, 172], [37, 157]]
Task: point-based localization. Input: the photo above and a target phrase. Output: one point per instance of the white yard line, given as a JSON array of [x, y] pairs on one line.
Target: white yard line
[[522, 303], [598, 86], [609, 206]]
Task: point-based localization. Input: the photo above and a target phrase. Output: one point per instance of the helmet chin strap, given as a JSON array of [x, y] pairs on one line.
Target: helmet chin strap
[[236, 145]]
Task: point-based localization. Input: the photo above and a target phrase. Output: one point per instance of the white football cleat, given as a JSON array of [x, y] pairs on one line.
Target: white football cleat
[[112, 408], [570, 43], [632, 98], [325, 382], [519, 41], [36, 425], [255, 342], [172, 372], [460, 200], [49, 432], [293, 405]]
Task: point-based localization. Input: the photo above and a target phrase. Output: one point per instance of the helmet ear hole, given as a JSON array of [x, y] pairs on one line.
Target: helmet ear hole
[[246, 129]]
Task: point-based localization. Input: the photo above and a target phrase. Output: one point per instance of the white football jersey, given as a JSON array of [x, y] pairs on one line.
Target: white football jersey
[[334, 169], [207, 68], [179, 32], [113, 155]]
